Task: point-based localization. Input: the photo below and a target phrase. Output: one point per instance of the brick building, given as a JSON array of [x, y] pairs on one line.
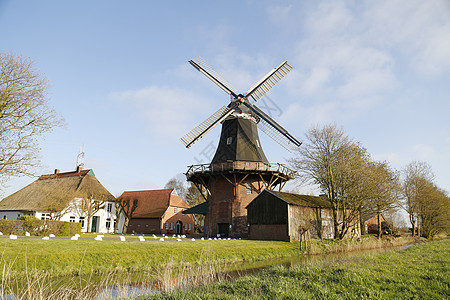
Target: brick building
[[158, 212]]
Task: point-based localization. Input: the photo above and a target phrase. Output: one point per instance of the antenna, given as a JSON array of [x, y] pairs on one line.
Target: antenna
[[80, 157]]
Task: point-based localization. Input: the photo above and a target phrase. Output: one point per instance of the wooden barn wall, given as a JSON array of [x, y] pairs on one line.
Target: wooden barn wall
[[267, 209], [320, 222]]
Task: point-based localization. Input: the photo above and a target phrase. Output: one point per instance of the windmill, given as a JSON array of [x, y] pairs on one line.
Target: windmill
[[240, 106], [239, 169]]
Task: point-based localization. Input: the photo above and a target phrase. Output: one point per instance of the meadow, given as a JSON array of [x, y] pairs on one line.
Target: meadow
[[418, 272]]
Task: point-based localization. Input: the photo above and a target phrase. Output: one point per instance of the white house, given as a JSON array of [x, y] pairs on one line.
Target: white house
[[68, 195]]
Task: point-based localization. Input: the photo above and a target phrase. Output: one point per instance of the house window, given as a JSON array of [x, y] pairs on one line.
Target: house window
[[18, 216], [4, 217], [185, 226], [248, 188], [109, 208], [82, 222], [229, 140], [171, 226], [146, 225], [189, 227], [45, 217], [139, 225], [322, 213], [108, 223], [72, 219], [175, 209], [167, 225], [115, 222]]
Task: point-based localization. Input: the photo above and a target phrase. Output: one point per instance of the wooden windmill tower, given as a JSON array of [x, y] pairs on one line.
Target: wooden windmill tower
[[239, 170]]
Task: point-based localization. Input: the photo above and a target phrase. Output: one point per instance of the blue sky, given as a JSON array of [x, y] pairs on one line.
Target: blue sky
[[119, 76]]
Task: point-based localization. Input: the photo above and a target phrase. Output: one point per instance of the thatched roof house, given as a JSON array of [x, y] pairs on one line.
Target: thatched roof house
[[34, 196], [57, 194]]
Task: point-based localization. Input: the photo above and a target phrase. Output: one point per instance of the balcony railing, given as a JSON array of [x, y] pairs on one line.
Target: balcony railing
[[240, 166]]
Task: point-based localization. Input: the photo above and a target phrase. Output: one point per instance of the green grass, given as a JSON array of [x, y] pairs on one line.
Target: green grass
[[419, 272], [65, 257]]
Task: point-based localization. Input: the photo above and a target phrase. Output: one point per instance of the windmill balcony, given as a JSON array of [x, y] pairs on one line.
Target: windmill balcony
[[240, 167]]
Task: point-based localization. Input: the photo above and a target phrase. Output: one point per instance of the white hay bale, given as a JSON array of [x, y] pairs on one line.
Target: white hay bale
[[98, 238], [74, 238], [122, 238], [141, 238], [27, 233], [179, 240], [193, 239], [51, 235], [13, 237], [202, 238], [45, 238], [161, 239]]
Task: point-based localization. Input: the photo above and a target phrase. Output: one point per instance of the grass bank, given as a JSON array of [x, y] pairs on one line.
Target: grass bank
[[419, 272], [60, 257]]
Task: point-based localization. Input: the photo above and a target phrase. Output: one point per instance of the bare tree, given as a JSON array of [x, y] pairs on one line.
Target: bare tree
[[335, 163], [25, 114], [119, 210], [128, 207], [383, 184], [416, 176], [177, 185], [88, 205]]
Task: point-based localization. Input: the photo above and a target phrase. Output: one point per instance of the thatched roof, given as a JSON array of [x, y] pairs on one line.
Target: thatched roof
[[34, 196]]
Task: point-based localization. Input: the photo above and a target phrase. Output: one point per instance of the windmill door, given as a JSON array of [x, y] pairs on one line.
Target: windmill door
[[178, 227], [223, 229], [94, 224]]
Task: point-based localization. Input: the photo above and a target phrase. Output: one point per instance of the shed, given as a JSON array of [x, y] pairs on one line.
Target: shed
[[277, 216]]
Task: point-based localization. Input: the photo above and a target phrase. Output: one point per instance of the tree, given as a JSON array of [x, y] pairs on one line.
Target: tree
[[89, 205], [336, 164], [25, 114], [118, 209], [416, 176], [178, 186], [128, 207], [383, 184], [193, 197]]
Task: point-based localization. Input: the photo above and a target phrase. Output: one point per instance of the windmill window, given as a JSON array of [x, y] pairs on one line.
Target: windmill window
[[248, 188], [108, 223], [229, 140]]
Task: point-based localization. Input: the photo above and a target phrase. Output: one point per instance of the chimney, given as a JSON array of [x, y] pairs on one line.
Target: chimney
[[56, 171], [79, 168]]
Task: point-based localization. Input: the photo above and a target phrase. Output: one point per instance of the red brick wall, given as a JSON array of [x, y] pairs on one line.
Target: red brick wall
[[144, 226], [227, 204]]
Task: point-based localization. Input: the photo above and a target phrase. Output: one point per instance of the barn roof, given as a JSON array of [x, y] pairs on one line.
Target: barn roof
[[153, 203], [33, 197], [301, 200]]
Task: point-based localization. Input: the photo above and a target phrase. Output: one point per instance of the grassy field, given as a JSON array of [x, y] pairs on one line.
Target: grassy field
[[61, 257], [419, 272]]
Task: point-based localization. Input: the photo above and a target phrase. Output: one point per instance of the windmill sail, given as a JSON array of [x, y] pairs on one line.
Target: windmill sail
[[202, 66], [198, 132], [274, 130], [267, 82]]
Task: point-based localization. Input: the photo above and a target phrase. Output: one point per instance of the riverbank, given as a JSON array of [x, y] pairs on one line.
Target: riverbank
[[85, 257], [419, 272]]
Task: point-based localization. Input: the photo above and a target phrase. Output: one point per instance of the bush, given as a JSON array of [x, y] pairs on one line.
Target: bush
[[38, 227]]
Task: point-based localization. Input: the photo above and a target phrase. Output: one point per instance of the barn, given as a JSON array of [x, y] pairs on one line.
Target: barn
[[277, 216], [158, 212]]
